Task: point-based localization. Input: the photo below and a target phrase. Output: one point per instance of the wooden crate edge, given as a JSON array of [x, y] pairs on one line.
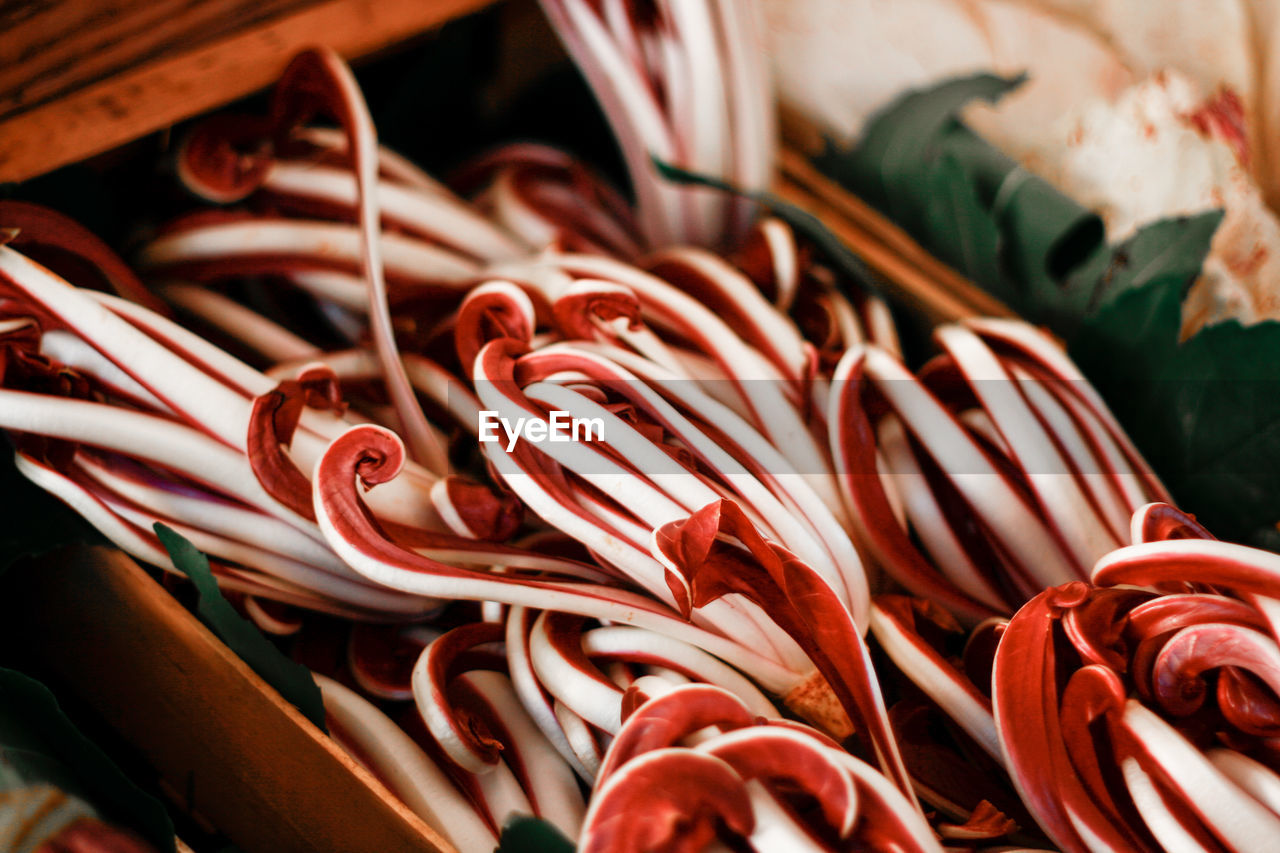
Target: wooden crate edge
[[155, 95], [243, 757]]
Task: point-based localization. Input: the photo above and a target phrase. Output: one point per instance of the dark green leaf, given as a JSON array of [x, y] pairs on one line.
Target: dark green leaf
[[966, 234], [901, 140], [1221, 396], [41, 744], [1171, 250], [1206, 412], [293, 680], [524, 834], [1044, 234], [1166, 253], [964, 199], [1132, 337]]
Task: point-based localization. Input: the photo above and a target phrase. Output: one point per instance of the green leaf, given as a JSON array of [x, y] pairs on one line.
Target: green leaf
[[1131, 338], [966, 235], [1221, 397], [1044, 234], [964, 199], [293, 680], [524, 834], [902, 139], [1167, 253], [43, 745], [1121, 350], [1206, 412], [1124, 315]]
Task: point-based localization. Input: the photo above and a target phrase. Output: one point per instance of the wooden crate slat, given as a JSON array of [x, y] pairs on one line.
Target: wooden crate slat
[[91, 621], [156, 94], [62, 45]]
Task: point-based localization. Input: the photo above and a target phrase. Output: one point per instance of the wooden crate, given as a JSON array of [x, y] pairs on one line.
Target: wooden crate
[[93, 623]]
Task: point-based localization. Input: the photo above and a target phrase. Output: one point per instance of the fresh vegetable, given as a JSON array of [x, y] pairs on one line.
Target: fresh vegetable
[[1136, 711], [614, 630]]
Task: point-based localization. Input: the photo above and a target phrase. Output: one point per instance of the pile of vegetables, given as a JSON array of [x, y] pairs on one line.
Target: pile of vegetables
[[785, 592]]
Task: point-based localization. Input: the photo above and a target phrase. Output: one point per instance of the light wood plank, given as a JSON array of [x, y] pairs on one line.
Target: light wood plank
[[91, 621], [52, 47], [109, 113]]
